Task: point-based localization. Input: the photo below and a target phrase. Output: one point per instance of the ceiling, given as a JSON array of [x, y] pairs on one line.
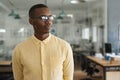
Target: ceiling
[[22, 6]]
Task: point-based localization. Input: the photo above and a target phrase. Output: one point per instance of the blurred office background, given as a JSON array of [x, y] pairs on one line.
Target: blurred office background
[[86, 24], [80, 22]]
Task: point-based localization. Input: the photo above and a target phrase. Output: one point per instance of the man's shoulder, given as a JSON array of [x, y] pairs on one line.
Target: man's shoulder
[[24, 42], [60, 40]]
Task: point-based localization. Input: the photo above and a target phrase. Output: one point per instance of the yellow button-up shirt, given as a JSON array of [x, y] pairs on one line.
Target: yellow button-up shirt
[[51, 59]]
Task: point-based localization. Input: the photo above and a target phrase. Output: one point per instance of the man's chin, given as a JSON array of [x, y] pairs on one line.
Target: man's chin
[[47, 32]]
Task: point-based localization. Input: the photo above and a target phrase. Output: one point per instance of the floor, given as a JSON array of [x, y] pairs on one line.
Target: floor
[[82, 75], [78, 74]]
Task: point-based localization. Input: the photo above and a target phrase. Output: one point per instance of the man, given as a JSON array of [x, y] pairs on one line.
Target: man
[[43, 56]]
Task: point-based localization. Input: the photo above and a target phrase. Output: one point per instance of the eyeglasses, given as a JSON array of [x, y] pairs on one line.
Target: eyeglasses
[[44, 18]]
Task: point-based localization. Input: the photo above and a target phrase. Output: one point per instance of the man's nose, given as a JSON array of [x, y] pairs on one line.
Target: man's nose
[[48, 21]]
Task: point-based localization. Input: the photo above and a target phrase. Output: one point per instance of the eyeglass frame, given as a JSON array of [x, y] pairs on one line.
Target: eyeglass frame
[[44, 17]]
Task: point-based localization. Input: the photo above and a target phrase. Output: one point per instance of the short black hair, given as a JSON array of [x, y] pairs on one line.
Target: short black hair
[[31, 11]]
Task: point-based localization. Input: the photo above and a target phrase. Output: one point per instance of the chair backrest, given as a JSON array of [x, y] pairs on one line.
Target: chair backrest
[[108, 48]]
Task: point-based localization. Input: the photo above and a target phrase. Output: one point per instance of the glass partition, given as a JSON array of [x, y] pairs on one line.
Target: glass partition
[[82, 25]]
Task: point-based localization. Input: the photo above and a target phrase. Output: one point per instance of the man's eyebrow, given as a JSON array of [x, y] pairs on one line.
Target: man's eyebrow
[[45, 15]]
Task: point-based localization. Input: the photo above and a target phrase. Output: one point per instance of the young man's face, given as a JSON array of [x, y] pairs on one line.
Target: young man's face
[[41, 21]]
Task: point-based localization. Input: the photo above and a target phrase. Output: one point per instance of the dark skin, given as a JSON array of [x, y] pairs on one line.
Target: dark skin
[[41, 28]]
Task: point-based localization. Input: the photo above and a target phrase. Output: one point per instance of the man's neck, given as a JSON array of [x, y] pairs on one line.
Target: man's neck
[[41, 36]]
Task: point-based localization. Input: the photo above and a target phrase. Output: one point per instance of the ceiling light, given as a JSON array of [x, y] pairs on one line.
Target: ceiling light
[[2, 30], [61, 15], [21, 30], [70, 15], [15, 15], [12, 13], [74, 1]]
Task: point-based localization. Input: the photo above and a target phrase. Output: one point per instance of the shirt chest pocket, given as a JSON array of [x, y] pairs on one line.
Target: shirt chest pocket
[[56, 62]]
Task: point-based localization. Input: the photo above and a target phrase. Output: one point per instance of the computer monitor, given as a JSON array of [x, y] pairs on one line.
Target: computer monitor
[[108, 48]]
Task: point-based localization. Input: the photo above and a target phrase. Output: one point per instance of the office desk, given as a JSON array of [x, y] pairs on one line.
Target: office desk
[[5, 67], [6, 70], [111, 71], [5, 63]]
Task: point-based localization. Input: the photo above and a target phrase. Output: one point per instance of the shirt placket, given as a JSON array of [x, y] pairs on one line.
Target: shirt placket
[[42, 54]]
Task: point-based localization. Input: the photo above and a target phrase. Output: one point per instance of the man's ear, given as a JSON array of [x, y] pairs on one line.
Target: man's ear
[[31, 21]]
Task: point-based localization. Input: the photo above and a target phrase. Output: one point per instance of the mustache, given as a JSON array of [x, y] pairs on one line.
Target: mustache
[[48, 25]]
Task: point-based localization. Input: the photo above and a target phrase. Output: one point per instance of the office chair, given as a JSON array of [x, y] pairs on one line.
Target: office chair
[[88, 67]]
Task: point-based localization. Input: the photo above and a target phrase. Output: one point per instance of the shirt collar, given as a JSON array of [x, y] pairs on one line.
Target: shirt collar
[[37, 41]]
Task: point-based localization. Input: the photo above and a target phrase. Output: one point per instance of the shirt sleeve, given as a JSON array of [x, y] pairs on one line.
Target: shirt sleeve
[[68, 65], [16, 65]]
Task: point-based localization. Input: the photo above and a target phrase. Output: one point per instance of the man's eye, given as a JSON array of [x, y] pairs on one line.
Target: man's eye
[[51, 17]]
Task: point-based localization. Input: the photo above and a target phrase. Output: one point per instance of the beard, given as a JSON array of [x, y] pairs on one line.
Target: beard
[[42, 30]]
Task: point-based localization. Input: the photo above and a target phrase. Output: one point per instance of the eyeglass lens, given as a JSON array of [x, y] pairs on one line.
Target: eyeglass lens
[[44, 18]]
